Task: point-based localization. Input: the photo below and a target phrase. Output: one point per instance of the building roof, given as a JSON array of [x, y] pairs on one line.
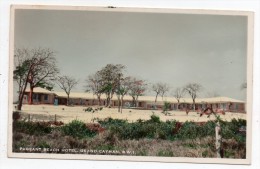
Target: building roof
[[40, 90], [151, 99]]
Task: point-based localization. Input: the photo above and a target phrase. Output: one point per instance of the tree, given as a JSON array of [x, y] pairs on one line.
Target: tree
[[43, 71], [164, 89], [36, 67], [193, 89], [160, 89], [123, 89], [66, 83], [138, 88], [156, 89], [110, 75], [94, 84], [178, 94], [20, 74]]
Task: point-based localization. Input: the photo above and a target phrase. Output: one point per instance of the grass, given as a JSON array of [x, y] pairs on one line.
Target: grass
[[145, 138]]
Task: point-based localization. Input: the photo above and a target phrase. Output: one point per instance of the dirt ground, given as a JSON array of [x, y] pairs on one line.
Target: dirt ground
[[67, 114]]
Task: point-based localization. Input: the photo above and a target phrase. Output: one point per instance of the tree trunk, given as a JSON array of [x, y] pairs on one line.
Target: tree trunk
[[21, 95], [31, 95], [108, 102], [194, 107], [99, 101], [156, 98], [121, 104], [68, 100], [133, 101]]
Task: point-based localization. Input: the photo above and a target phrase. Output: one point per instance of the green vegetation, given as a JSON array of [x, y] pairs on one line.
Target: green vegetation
[[77, 129], [151, 137], [32, 128]]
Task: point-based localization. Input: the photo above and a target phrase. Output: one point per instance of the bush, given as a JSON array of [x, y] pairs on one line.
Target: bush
[[165, 153], [32, 128], [112, 122], [230, 130], [154, 119], [152, 128], [189, 130], [43, 144], [166, 108], [172, 130], [77, 129]]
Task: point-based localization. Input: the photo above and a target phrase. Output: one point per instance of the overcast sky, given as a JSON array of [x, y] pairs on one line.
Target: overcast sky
[[172, 48]]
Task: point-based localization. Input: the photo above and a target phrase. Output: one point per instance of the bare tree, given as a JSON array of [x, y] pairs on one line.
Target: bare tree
[[164, 89], [138, 88], [160, 89], [193, 89], [110, 75], [66, 83], [94, 84], [178, 94], [156, 89], [36, 67]]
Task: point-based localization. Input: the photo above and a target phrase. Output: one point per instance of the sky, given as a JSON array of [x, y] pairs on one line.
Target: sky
[[176, 49]]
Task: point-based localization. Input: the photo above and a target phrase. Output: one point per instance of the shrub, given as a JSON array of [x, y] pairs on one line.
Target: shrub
[[165, 153], [43, 144], [109, 121], [166, 108], [32, 128], [189, 130], [77, 129], [154, 119], [230, 130], [152, 128]]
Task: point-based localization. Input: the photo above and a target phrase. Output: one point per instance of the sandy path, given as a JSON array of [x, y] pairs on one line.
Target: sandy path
[[67, 114]]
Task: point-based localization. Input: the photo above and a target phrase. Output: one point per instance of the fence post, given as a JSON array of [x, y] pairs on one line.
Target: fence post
[[55, 118], [218, 139], [29, 117]]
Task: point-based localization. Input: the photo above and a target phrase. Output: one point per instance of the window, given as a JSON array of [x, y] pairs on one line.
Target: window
[[236, 106], [224, 106], [45, 97]]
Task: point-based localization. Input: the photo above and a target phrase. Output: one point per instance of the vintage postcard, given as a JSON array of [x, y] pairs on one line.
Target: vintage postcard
[[133, 84]]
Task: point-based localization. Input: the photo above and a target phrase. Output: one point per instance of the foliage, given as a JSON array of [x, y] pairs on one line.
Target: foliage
[[33, 67], [43, 144], [138, 87], [152, 128], [110, 76], [77, 129], [231, 129], [112, 122], [172, 130], [93, 110], [144, 137], [166, 108], [32, 128], [165, 153], [191, 130], [154, 119]]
